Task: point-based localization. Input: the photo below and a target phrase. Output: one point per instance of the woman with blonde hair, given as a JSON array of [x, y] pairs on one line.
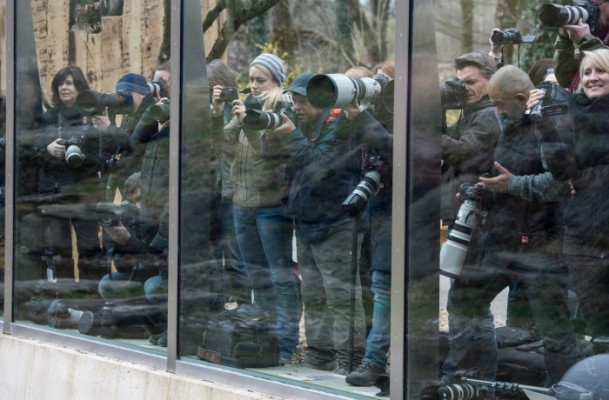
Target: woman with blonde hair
[[262, 225]]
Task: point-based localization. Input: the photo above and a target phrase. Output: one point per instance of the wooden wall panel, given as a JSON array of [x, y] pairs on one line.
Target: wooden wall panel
[[127, 43]]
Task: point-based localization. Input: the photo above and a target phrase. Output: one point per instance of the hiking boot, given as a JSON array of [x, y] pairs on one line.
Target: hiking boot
[[365, 375]]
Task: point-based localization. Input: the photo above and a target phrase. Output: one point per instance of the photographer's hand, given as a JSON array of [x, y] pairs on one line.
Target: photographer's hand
[[119, 233], [496, 49], [577, 32], [497, 183], [285, 128], [239, 110], [352, 110], [216, 104], [536, 95], [56, 149], [102, 122]]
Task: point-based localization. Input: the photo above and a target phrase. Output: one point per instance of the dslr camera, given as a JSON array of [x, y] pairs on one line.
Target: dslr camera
[[110, 214], [368, 187], [453, 94], [74, 155], [556, 101], [91, 102], [510, 36], [257, 119], [158, 87], [229, 94], [556, 15]]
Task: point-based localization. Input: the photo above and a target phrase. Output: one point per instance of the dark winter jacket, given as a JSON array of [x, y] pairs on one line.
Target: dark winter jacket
[[467, 152], [581, 157], [326, 166], [528, 216], [55, 176]]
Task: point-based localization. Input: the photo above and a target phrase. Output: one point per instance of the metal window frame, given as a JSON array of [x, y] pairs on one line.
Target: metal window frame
[[183, 20]]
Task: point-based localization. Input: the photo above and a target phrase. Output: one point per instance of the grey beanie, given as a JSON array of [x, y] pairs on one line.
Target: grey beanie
[[274, 64]]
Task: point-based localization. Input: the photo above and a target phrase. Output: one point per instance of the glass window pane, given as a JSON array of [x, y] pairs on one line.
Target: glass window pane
[[91, 173], [301, 238]]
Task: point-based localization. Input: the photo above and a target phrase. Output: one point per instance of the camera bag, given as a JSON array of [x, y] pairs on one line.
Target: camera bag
[[239, 340]]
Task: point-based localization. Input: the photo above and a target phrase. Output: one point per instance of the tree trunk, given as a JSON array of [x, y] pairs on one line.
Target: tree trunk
[[467, 23]]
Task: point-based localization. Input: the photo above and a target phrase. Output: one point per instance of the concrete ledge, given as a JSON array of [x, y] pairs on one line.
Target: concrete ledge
[[34, 370]]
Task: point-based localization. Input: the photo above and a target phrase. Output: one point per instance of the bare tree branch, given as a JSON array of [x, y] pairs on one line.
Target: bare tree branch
[[239, 12]]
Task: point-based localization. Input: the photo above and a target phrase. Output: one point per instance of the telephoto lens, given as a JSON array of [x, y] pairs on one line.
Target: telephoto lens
[[454, 250]]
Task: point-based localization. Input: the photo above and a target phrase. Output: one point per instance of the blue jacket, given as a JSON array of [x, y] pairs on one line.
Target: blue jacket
[[325, 166]]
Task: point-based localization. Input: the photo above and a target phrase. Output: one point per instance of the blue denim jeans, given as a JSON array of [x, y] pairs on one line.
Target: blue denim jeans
[[124, 285], [264, 236], [379, 337]]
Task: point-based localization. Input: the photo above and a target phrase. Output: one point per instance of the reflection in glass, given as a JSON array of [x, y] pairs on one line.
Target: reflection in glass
[[292, 286], [92, 172]]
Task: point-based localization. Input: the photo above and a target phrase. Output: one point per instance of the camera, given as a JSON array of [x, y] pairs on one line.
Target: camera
[[368, 187], [110, 214], [510, 36], [556, 15], [257, 119], [158, 87], [229, 94], [159, 112], [469, 217], [339, 90], [74, 155], [91, 102], [453, 94], [556, 101]]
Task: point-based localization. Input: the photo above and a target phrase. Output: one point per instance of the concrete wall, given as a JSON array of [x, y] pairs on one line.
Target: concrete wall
[[33, 370]]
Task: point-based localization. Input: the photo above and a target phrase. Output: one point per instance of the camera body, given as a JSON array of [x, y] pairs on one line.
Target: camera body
[[158, 87], [110, 214], [510, 36], [91, 102], [339, 90], [74, 156], [368, 187], [228, 94], [257, 119], [556, 15], [469, 217], [453, 94], [556, 101]]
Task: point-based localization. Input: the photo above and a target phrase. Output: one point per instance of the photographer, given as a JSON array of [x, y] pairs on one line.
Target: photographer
[[126, 158], [577, 155], [326, 151], [262, 225], [572, 37], [137, 241], [70, 182], [468, 144], [520, 241]]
